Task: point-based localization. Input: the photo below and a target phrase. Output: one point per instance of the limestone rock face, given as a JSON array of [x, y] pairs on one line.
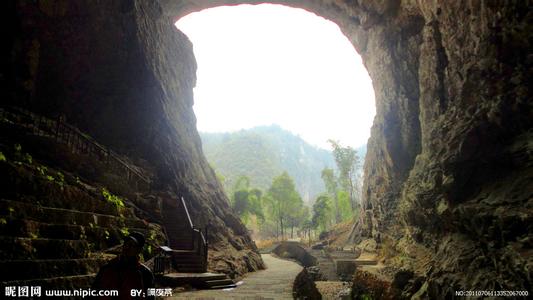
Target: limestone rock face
[[448, 172], [122, 72], [448, 169]]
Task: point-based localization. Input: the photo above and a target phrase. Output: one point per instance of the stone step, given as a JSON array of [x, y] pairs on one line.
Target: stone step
[[24, 210], [179, 238], [180, 234], [187, 255], [182, 246], [57, 283], [219, 282], [188, 267], [227, 286], [180, 241], [18, 248], [194, 279], [26, 185], [365, 262], [30, 228], [39, 268], [185, 264], [186, 260], [191, 270]]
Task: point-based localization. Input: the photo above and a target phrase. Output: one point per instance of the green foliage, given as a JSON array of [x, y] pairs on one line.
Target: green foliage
[[2, 156], [20, 157], [332, 189], [60, 177], [240, 202], [220, 179], [245, 201], [125, 231], [116, 200], [264, 152], [348, 164], [321, 212], [3, 221], [152, 235], [344, 206], [366, 297], [242, 183], [27, 158], [284, 201], [255, 203], [42, 170]]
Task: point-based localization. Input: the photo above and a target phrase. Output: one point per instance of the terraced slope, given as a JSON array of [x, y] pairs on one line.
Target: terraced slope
[[57, 229]]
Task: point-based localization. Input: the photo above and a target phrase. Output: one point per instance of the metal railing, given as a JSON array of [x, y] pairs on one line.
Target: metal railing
[[163, 261], [74, 138], [199, 240]]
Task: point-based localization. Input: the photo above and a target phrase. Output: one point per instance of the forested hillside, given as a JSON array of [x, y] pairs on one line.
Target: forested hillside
[[264, 152]]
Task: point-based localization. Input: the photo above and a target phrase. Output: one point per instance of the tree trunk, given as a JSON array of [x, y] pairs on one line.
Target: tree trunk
[[292, 231], [281, 226], [277, 231]]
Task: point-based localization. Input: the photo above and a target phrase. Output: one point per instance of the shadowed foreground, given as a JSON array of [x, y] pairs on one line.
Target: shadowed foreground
[[273, 283]]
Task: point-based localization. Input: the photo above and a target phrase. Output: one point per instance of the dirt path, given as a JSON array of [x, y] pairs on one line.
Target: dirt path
[[273, 283]]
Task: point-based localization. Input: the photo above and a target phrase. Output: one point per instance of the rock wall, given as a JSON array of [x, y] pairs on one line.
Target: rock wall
[[122, 72], [448, 171]]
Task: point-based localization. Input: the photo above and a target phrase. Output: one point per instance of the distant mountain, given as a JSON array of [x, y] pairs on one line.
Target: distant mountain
[[264, 152]]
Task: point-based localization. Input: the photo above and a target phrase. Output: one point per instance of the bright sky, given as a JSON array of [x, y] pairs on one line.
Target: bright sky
[[271, 64]]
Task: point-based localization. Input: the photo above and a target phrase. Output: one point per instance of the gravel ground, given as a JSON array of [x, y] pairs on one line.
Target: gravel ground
[[331, 289]]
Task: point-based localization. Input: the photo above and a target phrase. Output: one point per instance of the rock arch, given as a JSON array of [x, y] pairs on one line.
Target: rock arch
[[447, 174], [378, 34]]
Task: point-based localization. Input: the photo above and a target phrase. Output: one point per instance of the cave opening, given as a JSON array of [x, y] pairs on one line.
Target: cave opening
[[268, 70], [99, 136], [257, 58]]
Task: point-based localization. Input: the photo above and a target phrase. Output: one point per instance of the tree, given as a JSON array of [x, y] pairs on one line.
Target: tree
[[284, 200], [330, 181], [296, 215], [255, 203], [246, 201], [321, 212], [345, 208], [348, 163]]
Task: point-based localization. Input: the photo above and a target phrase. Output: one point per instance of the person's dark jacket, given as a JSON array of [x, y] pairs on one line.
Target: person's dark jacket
[[124, 276]]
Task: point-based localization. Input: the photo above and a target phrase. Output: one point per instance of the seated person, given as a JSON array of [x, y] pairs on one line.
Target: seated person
[[125, 273]]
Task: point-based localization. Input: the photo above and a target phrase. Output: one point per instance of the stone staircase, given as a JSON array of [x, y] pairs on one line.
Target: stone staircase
[[189, 249], [199, 280], [188, 242], [54, 234]]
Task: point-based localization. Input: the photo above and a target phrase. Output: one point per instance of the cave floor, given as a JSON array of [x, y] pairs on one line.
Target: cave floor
[[273, 283]]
